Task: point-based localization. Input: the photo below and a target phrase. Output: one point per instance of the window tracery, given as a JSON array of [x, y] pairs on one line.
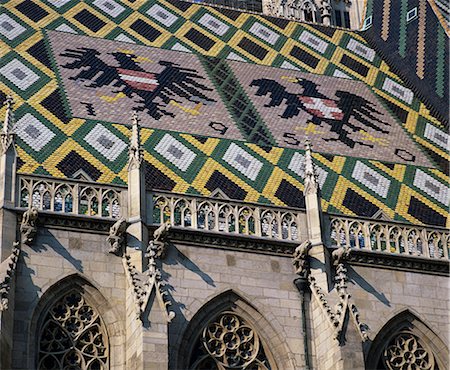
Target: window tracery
[[406, 352], [229, 342], [72, 336]]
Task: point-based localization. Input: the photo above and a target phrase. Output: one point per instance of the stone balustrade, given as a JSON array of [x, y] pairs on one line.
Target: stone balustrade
[[226, 216], [212, 214], [390, 237], [69, 196]]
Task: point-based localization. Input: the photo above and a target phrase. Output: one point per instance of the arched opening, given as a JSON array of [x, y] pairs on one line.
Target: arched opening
[[405, 342], [72, 335], [228, 332], [228, 342], [75, 327]]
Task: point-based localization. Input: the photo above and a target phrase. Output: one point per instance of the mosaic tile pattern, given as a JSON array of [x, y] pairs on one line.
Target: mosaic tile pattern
[[416, 47], [200, 162]]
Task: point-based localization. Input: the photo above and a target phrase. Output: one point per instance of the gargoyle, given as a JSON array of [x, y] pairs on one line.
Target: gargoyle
[[340, 255], [300, 261], [116, 236], [160, 239], [28, 227]]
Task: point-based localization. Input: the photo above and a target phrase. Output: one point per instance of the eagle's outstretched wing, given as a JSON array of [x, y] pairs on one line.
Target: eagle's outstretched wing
[[362, 110], [278, 94], [93, 69]]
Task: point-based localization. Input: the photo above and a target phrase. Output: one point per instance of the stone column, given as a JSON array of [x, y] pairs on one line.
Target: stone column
[[319, 261], [137, 235], [8, 224]]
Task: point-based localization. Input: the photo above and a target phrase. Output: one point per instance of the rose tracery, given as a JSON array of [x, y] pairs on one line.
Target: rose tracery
[[405, 352], [72, 336]]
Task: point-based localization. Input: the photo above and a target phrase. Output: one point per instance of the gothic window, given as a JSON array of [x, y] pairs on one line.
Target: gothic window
[[405, 351], [229, 342], [72, 336]]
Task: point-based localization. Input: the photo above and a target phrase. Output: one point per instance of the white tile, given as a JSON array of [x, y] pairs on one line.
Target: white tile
[[213, 24], [264, 33], [105, 142], [371, 179], [398, 90], [59, 3], [110, 7], [340, 74], [65, 28], [313, 41], [437, 136], [287, 65], [175, 152], [19, 74], [124, 38], [234, 56], [432, 187], [244, 162], [361, 50], [162, 15], [33, 132], [9, 27], [179, 47]]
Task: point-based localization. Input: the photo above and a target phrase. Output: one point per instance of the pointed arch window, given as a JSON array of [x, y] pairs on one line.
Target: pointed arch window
[[72, 336], [405, 351], [229, 342]]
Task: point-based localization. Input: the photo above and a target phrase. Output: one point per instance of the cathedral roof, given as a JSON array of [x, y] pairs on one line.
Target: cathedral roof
[[226, 100]]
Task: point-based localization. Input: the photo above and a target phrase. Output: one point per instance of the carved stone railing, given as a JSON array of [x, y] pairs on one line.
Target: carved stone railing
[[212, 214], [390, 237], [69, 196]]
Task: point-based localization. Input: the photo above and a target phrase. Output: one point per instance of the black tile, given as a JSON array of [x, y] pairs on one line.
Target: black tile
[[328, 157], [74, 162], [89, 20], [329, 31], [220, 181], [356, 203], [391, 166], [182, 5], [39, 52], [400, 113], [19, 163], [200, 139], [145, 30], [304, 57], [354, 65], [32, 10], [424, 213], [254, 49], [54, 103], [279, 22], [155, 179], [231, 14], [199, 39], [290, 195]]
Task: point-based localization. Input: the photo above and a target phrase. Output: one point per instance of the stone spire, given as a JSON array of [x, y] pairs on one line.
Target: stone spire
[[311, 184], [7, 134], [135, 153]]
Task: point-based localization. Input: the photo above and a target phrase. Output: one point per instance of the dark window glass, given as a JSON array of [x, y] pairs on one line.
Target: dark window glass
[[309, 15], [347, 19], [337, 16]]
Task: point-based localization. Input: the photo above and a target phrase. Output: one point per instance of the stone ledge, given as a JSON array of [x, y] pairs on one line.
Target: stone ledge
[[65, 221], [399, 262], [229, 241]]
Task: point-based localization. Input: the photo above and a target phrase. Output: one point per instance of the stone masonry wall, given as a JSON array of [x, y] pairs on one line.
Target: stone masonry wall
[[54, 255]]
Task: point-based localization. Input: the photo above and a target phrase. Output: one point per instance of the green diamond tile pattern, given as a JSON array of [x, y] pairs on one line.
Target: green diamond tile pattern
[[249, 163]]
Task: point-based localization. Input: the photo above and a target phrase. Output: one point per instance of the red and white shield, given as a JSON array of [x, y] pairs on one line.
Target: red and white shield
[[323, 108], [138, 80]]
